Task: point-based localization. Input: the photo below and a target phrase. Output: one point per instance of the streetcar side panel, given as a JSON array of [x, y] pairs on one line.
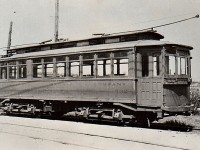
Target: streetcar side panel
[[177, 79], [118, 90]]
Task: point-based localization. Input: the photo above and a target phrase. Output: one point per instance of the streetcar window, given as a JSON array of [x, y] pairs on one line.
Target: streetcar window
[[37, 68], [74, 69], [183, 53], [60, 58], [45, 48], [88, 56], [103, 55], [61, 67], [88, 65], [170, 65], [182, 66], [121, 67], [48, 67], [88, 68], [145, 66], [82, 43], [37, 71], [22, 69], [96, 41], [120, 54], [104, 68], [48, 70], [12, 70], [48, 59], [171, 51], [129, 38], [74, 57], [15, 71], [112, 40], [3, 70], [156, 67], [22, 72], [37, 60]]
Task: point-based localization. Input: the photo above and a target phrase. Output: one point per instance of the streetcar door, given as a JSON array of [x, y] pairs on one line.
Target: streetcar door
[[149, 85]]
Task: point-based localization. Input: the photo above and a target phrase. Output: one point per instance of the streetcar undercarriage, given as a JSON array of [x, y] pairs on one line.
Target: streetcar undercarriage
[[114, 112]]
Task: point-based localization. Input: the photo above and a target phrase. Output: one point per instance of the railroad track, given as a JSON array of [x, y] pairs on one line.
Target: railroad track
[[46, 139], [160, 126], [29, 127]]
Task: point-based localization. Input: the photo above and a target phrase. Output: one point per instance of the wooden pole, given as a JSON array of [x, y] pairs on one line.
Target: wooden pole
[[10, 35], [56, 20]]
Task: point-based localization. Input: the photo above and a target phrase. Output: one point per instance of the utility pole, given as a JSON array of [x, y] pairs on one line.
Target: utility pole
[[10, 35], [56, 20]]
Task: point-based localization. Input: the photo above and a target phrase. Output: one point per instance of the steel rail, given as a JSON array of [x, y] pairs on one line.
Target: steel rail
[[93, 135]]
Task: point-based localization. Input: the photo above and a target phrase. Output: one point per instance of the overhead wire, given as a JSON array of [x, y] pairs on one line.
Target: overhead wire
[[151, 28], [148, 21]]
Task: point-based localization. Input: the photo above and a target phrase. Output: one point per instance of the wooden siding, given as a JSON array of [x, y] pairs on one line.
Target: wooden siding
[[176, 95], [101, 90], [150, 92]]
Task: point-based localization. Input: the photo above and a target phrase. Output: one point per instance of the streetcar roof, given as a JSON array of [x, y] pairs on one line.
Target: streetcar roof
[[104, 36], [96, 48]]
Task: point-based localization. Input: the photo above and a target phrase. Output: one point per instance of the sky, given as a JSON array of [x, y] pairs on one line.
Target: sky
[[33, 21]]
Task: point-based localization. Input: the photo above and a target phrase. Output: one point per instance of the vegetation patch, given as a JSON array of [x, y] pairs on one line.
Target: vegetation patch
[[192, 122], [178, 124]]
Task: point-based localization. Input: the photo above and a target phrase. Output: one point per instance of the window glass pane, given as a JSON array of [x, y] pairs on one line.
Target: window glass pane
[[50, 59], [12, 63], [22, 71], [60, 58], [3, 64], [103, 55], [170, 65], [188, 69], [171, 51], [179, 66], [74, 57], [121, 67], [3, 70], [100, 68], [37, 71], [61, 67], [103, 67], [38, 60], [182, 66], [88, 68], [156, 67], [88, 56], [145, 66], [108, 68], [120, 54], [74, 69], [48, 70], [3, 73], [12, 72], [22, 62]]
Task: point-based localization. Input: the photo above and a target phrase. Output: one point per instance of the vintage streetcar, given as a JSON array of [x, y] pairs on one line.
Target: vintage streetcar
[[134, 76]]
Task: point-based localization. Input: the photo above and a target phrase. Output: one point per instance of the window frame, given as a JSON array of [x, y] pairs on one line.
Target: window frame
[[178, 55], [37, 66]]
